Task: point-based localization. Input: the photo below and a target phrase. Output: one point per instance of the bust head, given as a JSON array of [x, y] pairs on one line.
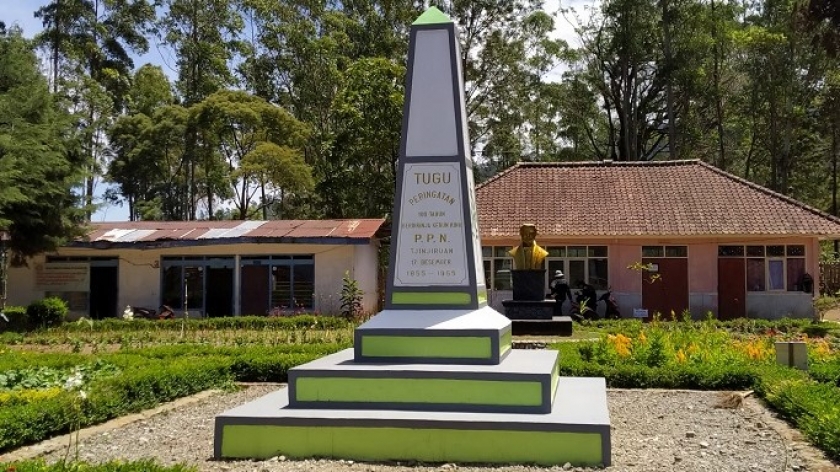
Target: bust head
[[528, 233]]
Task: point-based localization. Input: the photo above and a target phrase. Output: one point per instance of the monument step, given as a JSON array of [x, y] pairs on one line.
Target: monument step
[[576, 431], [557, 326], [523, 383], [480, 336]]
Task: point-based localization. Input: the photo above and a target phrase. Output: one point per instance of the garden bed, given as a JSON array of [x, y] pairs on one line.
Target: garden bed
[[145, 363]]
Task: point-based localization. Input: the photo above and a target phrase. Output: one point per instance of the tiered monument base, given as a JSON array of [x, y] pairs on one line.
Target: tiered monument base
[[392, 397], [577, 430]]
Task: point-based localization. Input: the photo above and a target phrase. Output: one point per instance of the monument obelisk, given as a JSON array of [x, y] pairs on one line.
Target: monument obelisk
[[436, 299], [432, 377]]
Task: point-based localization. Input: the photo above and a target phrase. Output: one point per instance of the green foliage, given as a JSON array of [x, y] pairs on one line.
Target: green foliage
[[43, 377], [37, 167], [146, 378], [351, 297], [49, 311], [18, 321]]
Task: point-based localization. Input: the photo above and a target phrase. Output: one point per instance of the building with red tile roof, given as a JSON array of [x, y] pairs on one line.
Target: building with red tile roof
[[207, 268], [711, 241]]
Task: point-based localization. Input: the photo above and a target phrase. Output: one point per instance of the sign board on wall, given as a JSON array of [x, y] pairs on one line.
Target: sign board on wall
[[431, 246], [62, 277], [640, 313]]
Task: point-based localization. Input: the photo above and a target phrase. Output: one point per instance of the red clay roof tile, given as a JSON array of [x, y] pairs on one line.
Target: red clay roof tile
[[668, 198]]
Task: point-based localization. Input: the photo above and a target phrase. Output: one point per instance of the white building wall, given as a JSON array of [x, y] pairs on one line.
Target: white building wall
[[139, 279], [367, 273], [20, 283], [139, 270]]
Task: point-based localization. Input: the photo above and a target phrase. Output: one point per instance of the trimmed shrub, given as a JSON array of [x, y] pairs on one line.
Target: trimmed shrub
[[18, 320], [144, 381], [49, 311]]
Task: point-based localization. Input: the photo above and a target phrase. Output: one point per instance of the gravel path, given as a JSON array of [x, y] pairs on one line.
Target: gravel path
[[652, 431]]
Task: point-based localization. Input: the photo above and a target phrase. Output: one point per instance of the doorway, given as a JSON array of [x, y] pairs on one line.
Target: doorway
[[104, 287], [732, 289], [667, 290], [219, 298], [254, 289]]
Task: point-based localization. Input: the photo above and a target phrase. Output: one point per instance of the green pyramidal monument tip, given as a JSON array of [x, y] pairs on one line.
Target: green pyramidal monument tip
[[432, 16]]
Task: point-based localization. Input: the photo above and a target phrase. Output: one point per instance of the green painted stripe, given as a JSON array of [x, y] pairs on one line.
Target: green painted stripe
[[443, 391], [431, 298], [425, 445], [506, 342], [432, 16], [426, 346]]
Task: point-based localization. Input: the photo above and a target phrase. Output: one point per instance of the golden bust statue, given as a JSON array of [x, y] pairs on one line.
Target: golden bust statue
[[528, 255]]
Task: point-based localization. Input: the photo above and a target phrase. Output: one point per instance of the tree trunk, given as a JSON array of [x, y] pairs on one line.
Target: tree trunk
[[669, 93], [721, 161], [834, 181]]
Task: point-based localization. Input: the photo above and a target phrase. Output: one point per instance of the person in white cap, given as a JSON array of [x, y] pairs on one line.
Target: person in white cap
[[560, 291]]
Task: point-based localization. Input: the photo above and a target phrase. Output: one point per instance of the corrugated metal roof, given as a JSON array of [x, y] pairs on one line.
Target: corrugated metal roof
[[324, 231]]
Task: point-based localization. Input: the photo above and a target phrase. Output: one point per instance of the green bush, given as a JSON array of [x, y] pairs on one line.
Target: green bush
[[170, 372], [49, 311], [18, 321], [308, 322], [813, 407], [138, 466]]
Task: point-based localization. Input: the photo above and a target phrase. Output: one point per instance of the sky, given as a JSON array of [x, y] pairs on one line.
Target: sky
[[21, 12]]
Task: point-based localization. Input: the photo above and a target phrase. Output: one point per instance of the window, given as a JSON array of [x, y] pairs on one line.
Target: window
[[587, 263], [772, 268], [202, 284], [665, 251], [291, 280]]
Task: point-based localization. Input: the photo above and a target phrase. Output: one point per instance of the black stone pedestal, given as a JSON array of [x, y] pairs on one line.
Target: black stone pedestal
[[529, 310], [536, 318], [556, 326]]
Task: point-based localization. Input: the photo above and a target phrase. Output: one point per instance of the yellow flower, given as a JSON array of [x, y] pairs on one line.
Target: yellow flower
[[681, 357], [642, 338], [822, 348]]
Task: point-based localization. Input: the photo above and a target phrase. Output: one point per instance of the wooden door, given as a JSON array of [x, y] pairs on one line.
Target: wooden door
[[732, 288], [667, 292], [254, 290]]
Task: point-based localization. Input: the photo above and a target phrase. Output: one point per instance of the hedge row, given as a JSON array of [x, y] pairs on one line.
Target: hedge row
[[144, 383], [18, 323], [740, 325], [138, 466], [728, 376]]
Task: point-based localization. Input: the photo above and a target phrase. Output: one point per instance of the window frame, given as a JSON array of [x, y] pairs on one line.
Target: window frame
[[785, 258], [202, 263], [496, 251], [283, 260]]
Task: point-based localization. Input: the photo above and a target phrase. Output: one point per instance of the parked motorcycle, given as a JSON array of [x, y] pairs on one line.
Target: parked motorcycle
[[165, 313], [588, 311]]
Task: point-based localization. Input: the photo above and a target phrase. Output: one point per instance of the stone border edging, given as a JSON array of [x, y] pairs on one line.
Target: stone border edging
[[59, 442]]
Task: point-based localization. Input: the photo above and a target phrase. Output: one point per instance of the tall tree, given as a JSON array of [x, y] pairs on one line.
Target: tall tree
[[205, 37], [258, 144], [89, 44], [38, 158], [134, 163]]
